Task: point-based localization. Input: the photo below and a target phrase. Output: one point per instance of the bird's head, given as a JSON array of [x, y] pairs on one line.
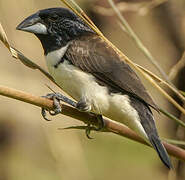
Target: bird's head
[[55, 25]]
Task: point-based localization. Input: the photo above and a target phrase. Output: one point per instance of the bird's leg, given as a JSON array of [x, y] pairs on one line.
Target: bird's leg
[[56, 97], [82, 105], [85, 106], [101, 122], [89, 127]]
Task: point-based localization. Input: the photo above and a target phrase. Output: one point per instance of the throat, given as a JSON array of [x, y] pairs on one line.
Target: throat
[[54, 58], [51, 43]]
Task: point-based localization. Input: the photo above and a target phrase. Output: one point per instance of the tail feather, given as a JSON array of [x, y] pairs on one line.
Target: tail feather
[[158, 146], [148, 123]]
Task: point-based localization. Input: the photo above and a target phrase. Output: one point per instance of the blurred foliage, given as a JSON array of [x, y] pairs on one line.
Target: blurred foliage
[[33, 148]]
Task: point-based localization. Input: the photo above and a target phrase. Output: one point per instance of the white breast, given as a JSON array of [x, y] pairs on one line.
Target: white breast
[[122, 111], [77, 83], [55, 56]]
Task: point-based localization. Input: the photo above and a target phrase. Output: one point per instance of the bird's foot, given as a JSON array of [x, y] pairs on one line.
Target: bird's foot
[[56, 97], [83, 105], [100, 127]]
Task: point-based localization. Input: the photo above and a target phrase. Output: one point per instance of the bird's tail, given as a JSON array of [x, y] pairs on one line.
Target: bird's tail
[[151, 131], [158, 146], [148, 123]]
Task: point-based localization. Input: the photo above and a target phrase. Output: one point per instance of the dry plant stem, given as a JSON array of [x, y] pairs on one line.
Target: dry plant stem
[[111, 126], [161, 81], [3, 37], [178, 121]]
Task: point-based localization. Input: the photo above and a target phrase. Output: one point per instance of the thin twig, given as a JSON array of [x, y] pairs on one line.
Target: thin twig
[[161, 81], [178, 121], [110, 126], [176, 142]]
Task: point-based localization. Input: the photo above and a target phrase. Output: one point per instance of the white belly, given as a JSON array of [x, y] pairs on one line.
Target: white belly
[[79, 84]]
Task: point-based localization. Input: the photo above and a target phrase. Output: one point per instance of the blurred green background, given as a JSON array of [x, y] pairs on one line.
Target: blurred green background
[[31, 148]]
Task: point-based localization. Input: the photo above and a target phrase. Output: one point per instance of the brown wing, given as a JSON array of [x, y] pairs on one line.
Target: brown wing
[[93, 55]]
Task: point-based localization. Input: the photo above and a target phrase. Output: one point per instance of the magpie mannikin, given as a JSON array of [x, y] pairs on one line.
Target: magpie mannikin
[[90, 71]]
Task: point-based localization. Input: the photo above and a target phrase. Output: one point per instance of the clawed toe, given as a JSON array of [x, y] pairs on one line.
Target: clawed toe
[[89, 127], [56, 97], [43, 113], [83, 105], [101, 122]]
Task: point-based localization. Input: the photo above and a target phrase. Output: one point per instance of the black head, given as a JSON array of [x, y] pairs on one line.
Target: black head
[[55, 27]]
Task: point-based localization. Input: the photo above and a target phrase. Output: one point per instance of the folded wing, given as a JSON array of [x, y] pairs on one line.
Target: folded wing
[[93, 55]]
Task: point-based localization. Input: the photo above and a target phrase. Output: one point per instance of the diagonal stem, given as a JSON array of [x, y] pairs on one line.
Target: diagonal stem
[[110, 126]]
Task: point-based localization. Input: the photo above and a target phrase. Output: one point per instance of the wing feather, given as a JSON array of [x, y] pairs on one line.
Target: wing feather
[[93, 55]]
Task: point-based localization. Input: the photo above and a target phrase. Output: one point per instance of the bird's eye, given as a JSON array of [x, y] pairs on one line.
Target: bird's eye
[[54, 17]]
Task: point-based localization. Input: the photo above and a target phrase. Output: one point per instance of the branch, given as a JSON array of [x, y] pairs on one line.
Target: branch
[[110, 126]]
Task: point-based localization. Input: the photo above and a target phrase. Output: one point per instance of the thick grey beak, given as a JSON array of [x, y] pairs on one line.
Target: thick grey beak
[[33, 24]]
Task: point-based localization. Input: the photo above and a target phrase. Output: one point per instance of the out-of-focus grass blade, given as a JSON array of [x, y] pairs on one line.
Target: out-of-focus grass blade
[[74, 127], [183, 93], [175, 70], [172, 141], [84, 128], [178, 121]]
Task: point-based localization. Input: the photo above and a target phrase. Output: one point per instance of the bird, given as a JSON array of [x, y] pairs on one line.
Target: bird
[[89, 70]]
